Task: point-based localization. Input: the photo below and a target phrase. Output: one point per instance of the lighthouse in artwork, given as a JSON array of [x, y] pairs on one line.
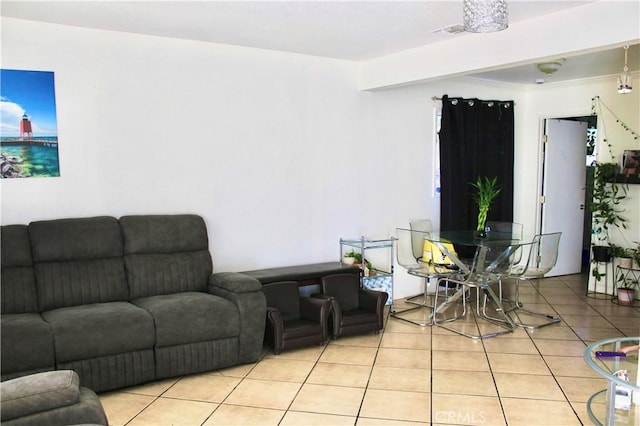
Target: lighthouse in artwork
[[25, 128]]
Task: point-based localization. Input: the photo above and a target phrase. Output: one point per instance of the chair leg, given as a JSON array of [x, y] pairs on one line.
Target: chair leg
[[423, 295], [519, 306], [506, 324], [459, 293], [419, 305]]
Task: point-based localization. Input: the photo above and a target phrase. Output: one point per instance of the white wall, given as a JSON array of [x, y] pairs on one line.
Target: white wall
[[575, 99], [281, 153]]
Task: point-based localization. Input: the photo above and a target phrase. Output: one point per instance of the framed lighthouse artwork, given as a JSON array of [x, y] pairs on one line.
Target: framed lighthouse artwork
[[28, 128]]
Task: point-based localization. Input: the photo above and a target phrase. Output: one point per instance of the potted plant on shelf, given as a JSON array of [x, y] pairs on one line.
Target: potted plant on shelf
[[486, 191], [606, 211], [353, 258], [349, 258], [626, 291], [623, 256]]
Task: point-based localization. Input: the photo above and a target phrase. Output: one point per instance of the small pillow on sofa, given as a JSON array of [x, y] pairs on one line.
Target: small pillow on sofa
[[38, 392]]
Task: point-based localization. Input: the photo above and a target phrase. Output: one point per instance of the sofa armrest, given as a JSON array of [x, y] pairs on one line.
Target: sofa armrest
[[246, 293], [234, 282], [335, 313], [51, 397], [38, 392], [374, 301], [370, 299], [317, 310]]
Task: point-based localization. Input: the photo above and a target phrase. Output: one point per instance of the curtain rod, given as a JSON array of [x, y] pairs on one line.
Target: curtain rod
[[435, 98]]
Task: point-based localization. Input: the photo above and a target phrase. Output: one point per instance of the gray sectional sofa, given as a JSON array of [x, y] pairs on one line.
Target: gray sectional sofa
[[122, 301]]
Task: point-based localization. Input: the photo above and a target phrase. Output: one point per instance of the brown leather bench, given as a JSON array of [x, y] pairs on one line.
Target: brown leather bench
[[304, 275]]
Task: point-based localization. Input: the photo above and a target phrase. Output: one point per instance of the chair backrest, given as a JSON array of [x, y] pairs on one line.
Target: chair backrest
[[422, 226], [407, 254], [285, 297], [345, 288], [514, 228], [543, 254], [501, 257]]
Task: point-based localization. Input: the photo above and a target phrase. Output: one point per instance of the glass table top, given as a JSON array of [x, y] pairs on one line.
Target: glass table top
[[616, 360]]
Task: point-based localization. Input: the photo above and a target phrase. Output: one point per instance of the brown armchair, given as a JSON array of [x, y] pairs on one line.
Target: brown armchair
[[294, 321], [354, 309]]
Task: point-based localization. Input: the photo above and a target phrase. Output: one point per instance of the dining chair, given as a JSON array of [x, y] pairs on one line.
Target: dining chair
[[421, 227], [542, 257], [516, 229], [492, 261], [414, 253]]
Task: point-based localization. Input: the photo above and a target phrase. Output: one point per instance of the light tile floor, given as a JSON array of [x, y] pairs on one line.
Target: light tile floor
[[407, 375]]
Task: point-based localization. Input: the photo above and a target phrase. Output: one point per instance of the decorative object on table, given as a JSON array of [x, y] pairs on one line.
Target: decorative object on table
[[606, 211], [623, 393], [486, 191]]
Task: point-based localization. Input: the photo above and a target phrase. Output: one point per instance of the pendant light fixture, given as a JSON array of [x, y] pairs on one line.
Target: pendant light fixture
[[624, 80], [485, 16]]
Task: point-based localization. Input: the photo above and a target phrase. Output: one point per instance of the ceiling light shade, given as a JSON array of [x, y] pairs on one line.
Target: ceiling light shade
[[624, 80], [485, 16], [550, 67]]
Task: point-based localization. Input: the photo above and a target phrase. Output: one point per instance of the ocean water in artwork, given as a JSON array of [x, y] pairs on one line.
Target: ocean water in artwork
[[29, 161]]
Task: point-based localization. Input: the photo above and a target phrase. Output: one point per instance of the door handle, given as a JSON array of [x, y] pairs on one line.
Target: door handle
[[581, 206]]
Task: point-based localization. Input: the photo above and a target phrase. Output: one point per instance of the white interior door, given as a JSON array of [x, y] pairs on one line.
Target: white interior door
[[563, 190]]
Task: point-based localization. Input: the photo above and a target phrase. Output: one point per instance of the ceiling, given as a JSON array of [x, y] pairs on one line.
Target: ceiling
[[349, 30]]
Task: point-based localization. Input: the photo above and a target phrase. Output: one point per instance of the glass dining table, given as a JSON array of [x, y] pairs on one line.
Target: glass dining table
[[472, 261]]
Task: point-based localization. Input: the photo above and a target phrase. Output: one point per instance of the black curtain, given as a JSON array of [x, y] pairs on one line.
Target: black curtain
[[476, 139]]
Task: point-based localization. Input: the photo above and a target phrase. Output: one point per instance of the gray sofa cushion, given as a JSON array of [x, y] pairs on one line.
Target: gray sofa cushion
[[18, 279], [78, 261], [156, 274], [191, 317], [101, 329], [52, 398], [164, 233], [27, 344], [166, 254]]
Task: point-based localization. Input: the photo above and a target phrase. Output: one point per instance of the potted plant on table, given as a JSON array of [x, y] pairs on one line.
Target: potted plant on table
[[486, 191]]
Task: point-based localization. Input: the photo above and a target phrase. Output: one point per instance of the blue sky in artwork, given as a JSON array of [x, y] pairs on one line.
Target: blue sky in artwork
[[30, 92]]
